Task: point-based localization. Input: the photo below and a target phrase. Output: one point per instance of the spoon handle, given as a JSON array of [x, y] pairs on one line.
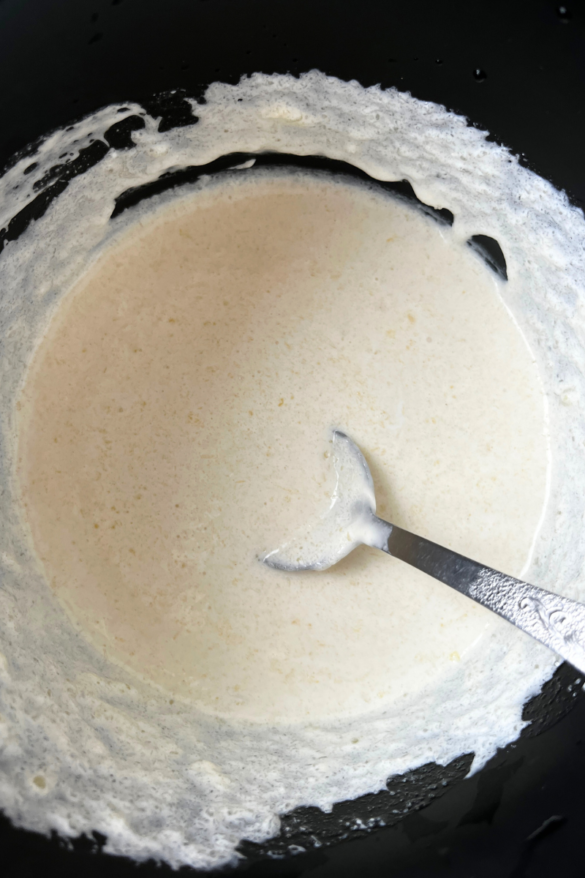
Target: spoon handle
[[556, 621]]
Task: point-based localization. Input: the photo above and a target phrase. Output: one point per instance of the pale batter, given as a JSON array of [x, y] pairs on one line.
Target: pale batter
[[178, 370], [175, 422]]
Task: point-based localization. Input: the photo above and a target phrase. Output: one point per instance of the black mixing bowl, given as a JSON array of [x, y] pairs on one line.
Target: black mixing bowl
[[513, 67]]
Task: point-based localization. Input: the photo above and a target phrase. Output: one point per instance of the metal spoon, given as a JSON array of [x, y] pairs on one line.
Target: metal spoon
[[351, 520]]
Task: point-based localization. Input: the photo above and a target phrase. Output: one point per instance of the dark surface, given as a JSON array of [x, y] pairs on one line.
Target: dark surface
[[514, 68], [60, 59]]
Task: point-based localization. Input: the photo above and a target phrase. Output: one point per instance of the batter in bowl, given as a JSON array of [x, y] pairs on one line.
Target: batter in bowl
[[170, 376], [175, 419]]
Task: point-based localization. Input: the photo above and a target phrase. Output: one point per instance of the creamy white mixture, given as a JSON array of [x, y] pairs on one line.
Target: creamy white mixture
[[174, 424]]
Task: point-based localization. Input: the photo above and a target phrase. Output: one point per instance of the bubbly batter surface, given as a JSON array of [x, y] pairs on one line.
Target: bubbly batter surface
[[174, 425]]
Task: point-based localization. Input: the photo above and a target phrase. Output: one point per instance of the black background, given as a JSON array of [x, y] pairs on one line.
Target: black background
[[61, 59]]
